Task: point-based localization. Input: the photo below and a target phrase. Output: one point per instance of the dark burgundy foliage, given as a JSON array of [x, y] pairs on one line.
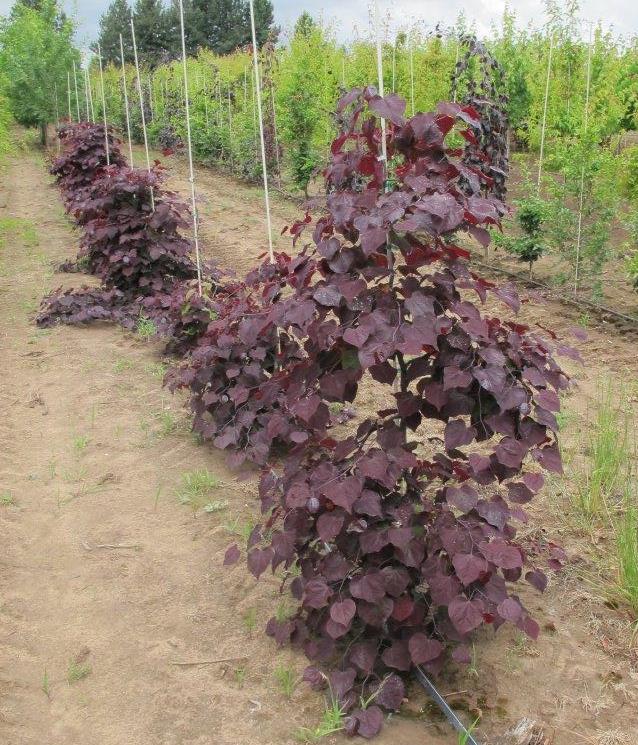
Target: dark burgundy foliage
[[397, 538], [131, 241], [404, 532], [82, 159], [482, 80]]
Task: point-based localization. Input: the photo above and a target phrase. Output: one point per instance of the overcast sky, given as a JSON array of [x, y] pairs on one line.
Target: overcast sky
[[621, 15]]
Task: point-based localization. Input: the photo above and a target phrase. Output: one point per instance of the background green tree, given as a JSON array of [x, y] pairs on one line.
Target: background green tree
[[36, 51]]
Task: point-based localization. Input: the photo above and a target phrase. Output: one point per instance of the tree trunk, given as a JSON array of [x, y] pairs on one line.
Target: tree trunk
[[43, 134]]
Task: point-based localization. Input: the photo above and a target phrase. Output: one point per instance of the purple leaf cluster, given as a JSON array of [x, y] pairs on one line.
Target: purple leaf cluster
[[398, 540], [82, 159], [131, 241]]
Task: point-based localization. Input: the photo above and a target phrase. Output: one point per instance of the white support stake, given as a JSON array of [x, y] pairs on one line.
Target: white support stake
[[275, 133], [394, 66], [264, 166], [57, 115], [544, 124], [377, 29], [456, 64], [190, 152], [77, 95], [141, 97], [582, 168], [88, 80], [128, 115], [68, 92], [412, 76], [106, 131], [151, 103], [86, 95]]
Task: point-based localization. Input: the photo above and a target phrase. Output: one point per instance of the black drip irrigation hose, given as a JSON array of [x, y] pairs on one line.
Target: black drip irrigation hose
[[445, 707]]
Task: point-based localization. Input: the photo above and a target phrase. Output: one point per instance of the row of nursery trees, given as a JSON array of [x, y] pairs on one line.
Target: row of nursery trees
[[587, 181], [396, 536], [571, 99]]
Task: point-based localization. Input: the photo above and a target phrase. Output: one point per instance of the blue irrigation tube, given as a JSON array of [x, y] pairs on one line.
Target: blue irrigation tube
[[444, 706]]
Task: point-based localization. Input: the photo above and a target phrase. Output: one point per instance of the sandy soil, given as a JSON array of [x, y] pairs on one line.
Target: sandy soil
[[104, 572]]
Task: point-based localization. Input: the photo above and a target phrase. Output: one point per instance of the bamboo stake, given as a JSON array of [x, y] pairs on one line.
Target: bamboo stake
[[412, 76], [77, 96], [544, 124], [151, 103], [264, 167], [377, 28], [106, 131], [68, 92], [57, 115], [456, 64], [275, 134], [126, 105], [394, 66], [191, 177], [230, 131], [88, 80], [582, 168], [141, 97], [86, 95]]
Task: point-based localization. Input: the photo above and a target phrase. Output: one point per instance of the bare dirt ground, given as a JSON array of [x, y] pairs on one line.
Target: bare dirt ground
[[107, 581]]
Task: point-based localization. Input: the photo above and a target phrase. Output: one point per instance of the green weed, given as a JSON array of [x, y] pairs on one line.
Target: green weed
[[77, 671], [146, 328], [80, 443], [25, 230], [196, 487], [286, 679], [332, 721], [122, 365], [625, 529], [249, 619], [6, 499], [464, 737], [168, 423], [46, 685], [609, 455], [157, 370]]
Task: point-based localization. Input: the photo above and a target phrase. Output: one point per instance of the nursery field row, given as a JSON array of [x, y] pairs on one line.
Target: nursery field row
[[74, 490]]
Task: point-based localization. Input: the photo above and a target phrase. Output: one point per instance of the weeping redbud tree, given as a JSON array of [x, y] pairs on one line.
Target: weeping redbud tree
[[398, 539]]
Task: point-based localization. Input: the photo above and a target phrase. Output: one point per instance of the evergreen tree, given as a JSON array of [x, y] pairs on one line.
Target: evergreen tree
[[116, 21], [152, 32], [221, 25]]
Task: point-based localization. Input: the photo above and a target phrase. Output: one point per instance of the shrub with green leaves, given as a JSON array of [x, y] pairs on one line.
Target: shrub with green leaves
[[530, 245]]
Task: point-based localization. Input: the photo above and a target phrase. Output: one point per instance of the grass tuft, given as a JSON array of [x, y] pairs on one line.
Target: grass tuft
[[196, 487], [609, 454]]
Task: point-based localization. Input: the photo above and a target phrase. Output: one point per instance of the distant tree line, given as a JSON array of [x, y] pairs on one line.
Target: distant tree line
[[220, 25]]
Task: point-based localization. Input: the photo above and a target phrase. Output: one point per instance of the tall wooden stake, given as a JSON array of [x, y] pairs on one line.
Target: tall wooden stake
[[126, 106], [77, 96], [68, 92], [377, 28], [190, 152], [582, 168], [86, 95], [141, 97], [544, 124], [264, 166], [106, 131]]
